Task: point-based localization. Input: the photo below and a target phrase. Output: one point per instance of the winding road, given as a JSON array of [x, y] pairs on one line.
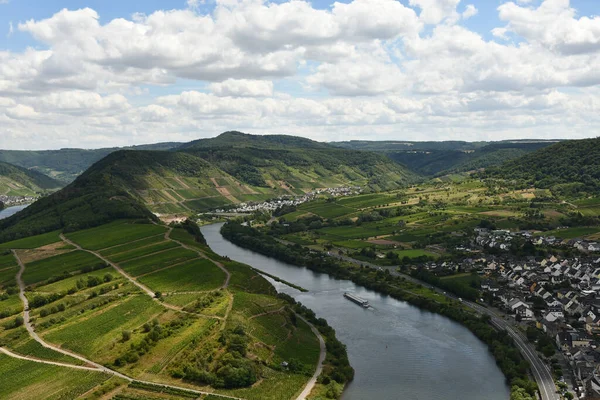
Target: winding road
[[540, 370]]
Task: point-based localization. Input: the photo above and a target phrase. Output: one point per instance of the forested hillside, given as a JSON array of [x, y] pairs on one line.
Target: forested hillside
[[296, 164], [567, 168], [18, 181]]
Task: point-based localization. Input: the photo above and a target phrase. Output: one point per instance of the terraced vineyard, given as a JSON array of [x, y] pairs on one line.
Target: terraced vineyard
[[428, 220], [125, 303]]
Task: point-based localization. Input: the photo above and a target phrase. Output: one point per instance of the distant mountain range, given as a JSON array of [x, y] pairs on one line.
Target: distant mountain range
[[66, 164], [442, 158]]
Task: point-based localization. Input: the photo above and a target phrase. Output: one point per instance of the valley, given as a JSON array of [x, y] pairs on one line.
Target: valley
[[112, 277], [143, 305]]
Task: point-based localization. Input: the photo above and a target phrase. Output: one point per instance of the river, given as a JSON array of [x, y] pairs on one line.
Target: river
[[398, 351], [8, 211]]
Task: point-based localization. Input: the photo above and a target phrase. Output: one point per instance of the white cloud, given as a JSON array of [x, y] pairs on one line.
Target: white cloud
[[469, 12], [435, 11], [357, 69], [21, 111], [242, 88], [553, 25]]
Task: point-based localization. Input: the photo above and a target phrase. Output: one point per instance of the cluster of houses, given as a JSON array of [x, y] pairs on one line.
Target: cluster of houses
[[9, 201], [272, 205], [501, 239], [562, 298]]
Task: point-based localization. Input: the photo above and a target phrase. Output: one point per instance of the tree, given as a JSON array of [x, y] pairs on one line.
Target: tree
[[18, 321], [126, 335]]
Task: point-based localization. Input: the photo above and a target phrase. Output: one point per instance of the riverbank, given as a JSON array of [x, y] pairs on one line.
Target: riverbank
[[11, 210], [500, 344]]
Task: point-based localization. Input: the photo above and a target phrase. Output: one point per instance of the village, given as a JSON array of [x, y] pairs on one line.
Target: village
[[289, 201], [9, 201], [554, 298]]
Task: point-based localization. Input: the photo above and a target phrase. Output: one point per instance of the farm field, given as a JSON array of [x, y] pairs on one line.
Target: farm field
[[32, 242], [142, 251], [30, 380], [71, 262], [115, 233], [428, 220], [198, 275], [148, 264], [80, 304], [132, 245]]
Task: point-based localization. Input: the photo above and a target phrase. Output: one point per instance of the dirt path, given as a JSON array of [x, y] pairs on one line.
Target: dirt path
[[145, 289], [323, 353], [94, 366], [268, 313], [38, 360], [38, 339]]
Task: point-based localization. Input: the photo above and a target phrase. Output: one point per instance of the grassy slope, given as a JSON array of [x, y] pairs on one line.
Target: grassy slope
[[18, 181]]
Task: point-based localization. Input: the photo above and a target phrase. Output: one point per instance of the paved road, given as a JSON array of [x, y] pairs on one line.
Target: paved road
[[323, 353], [540, 370]]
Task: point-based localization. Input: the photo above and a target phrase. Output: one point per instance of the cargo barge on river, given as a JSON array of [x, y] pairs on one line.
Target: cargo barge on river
[[358, 300]]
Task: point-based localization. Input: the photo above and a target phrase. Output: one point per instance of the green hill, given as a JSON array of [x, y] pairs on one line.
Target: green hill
[[18, 181], [66, 164], [296, 165], [441, 158], [202, 175], [568, 168]]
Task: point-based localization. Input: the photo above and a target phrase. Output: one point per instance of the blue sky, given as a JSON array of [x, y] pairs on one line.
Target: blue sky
[[90, 74]]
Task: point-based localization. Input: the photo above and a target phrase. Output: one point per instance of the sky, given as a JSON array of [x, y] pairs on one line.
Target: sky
[[104, 73]]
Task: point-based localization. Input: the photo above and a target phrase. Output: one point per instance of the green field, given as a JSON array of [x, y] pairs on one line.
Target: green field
[[93, 319], [39, 271], [572, 233], [195, 275], [414, 253], [7, 276], [152, 263], [30, 380], [327, 210], [99, 331], [114, 234], [33, 241], [34, 349], [130, 246], [367, 200], [142, 251]]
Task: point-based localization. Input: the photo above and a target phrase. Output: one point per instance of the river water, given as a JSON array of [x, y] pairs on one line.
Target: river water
[[8, 211], [398, 351]]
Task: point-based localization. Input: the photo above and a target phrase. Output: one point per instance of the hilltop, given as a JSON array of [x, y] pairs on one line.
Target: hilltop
[[18, 181], [568, 168]]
